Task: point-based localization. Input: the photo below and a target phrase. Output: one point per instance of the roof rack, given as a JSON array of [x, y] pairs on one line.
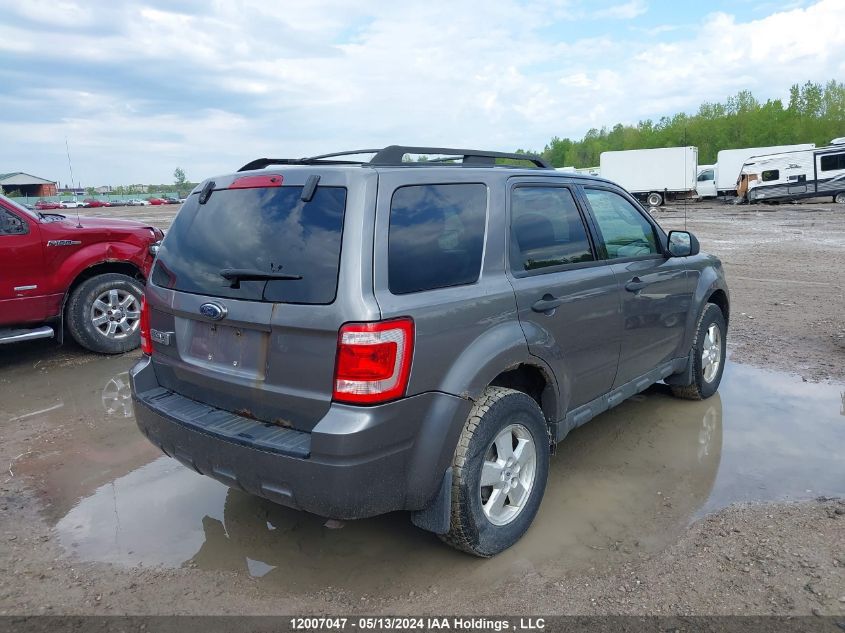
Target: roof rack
[[392, 155]]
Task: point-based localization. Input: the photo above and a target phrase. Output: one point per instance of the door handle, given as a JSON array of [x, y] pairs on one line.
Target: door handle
[[547, 303], [635, 285]]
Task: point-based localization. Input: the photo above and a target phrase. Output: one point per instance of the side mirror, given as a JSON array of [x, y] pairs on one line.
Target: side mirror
[[683, 244]]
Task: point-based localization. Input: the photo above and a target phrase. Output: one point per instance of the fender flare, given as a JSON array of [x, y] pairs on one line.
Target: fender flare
[[709, 282], [496, 350]]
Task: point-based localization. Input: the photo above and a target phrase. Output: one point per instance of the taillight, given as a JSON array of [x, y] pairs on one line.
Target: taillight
[[146, 342], [373, 361]]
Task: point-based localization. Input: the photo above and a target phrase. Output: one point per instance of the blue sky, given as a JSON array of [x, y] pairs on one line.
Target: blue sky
[[139, 88]]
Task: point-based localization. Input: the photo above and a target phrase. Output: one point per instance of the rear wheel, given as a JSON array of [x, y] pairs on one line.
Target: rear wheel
[[708, 356], [839, 198], [654, 199], [104, 312], [499, 472]]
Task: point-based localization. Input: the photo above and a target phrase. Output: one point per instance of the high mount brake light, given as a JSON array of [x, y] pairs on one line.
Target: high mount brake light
[[373, 361], [255, 182], [146, 341]]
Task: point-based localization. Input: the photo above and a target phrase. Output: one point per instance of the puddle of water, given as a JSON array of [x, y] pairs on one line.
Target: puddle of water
[[784, 438], [627, 483], [79, 411]]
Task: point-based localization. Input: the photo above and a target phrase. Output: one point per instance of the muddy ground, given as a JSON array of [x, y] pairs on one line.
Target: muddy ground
[[660, 506], [786, 270]]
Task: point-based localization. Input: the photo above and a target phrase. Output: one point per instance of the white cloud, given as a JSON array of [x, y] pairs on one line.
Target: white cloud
[[624, 11], [209, 86]]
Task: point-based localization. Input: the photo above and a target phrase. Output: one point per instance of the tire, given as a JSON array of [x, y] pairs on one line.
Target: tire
[[512, 415], [839, 198], [654, 199], [82, 312], [706, 377]]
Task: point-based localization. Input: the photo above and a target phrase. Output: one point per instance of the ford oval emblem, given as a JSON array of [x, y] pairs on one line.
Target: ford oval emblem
[[213, 311]]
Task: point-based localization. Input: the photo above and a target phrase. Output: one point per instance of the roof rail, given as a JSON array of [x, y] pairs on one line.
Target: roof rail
[[393, 155]]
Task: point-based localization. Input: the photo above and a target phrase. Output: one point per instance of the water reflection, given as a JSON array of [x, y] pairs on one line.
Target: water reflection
[[627, 483]]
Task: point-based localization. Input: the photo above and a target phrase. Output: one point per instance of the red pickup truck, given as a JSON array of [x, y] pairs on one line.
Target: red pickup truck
[[83, 273]]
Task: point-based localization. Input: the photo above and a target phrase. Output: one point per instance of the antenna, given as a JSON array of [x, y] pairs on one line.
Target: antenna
[[70, 167], [686, 197]]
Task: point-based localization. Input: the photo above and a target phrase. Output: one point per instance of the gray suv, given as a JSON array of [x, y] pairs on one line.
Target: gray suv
[[351, 338]]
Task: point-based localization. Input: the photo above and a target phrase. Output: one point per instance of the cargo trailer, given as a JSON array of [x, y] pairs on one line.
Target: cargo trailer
[[653, 175]]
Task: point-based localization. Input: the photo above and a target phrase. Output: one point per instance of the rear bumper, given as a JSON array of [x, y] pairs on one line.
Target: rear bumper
[[357, 462]]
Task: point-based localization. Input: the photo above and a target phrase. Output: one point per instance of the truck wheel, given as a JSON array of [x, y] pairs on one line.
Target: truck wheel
[[708, 356], [839, 198], [499, 472], [654, 199], [104, 313]]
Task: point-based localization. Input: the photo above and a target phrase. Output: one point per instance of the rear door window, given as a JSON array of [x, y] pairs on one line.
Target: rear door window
[[436, 236], [270, 230], [546, 229]]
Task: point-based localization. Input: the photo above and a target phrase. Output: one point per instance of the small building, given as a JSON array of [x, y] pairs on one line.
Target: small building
[[27, 185]]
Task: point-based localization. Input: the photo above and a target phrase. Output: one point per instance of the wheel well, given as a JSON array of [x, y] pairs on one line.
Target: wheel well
[[533, 381], [123, 268], [721, 299]]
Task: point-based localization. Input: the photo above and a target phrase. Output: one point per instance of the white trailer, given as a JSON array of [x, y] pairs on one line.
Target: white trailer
[[794, 175], [729, 162], [653, 175]]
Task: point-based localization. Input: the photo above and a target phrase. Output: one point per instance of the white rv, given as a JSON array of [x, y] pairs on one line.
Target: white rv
[[793, 175], [730, 161], [653, 175]]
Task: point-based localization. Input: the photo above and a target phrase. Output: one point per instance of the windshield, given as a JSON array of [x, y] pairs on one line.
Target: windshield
[[266, 230]]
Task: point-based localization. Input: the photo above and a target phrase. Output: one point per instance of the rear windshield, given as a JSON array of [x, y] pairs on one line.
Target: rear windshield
[[268, 230]]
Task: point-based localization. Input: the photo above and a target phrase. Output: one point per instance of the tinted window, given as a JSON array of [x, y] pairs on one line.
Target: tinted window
[[626, 233], [436, 236], [10, 224], [770, 174], [546, 229], [706, 175], [270, 230], [833, 162]]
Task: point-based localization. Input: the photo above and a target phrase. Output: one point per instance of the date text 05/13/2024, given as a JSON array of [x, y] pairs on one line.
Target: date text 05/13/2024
[[417, 623]]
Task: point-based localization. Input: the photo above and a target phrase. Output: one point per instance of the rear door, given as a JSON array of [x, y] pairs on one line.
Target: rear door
[[21, 269], [568, 298], [263, 348], [656, 291]]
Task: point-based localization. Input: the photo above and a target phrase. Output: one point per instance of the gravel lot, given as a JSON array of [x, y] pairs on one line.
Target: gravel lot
[[731, 506]]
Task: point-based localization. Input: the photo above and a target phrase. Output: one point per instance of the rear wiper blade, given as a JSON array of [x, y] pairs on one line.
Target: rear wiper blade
[[237, 275]]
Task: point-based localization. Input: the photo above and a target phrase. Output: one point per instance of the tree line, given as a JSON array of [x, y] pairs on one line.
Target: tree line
[[815, 113]]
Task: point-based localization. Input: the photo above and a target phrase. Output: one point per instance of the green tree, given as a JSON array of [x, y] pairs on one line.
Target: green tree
[[179, 176], [815, 113]]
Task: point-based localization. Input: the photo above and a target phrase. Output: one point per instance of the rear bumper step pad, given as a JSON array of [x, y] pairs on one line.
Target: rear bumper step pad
[[226, 425]]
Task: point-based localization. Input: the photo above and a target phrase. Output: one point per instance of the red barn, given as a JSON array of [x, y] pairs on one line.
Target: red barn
[[19, 183]]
